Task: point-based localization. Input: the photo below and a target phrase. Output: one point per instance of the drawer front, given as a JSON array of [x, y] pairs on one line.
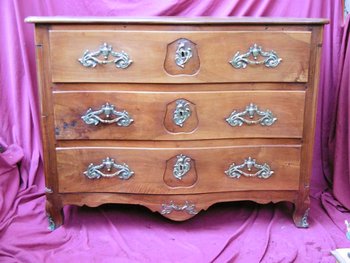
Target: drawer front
[[178, 171], [178, 116], [179, 56]]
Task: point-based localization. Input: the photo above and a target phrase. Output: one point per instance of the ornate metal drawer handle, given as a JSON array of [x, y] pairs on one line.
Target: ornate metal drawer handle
[[182, 166], [182, 112], [186, 207], [237, 118], [123, 170], [90, 58], [122, 117], [271, 60], [235, 171], [182, 54]]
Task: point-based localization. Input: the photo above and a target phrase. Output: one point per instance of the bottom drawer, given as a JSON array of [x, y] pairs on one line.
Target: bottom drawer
[[178, 170]]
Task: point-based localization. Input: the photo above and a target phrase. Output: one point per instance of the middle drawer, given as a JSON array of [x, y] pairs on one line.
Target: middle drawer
[[178, 115]]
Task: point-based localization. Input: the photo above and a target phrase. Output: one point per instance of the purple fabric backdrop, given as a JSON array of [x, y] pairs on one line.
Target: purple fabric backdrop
[[239, 232], [340, 141]]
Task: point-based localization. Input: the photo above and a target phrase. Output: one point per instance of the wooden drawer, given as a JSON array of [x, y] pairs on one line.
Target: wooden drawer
[[151, 170], [153, 56], [153, 115]]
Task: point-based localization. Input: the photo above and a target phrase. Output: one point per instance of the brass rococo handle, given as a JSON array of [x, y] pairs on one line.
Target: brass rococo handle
[[95, 171], [270, 58], [265, 118], [237, 170], [122, 118], [105, 55]]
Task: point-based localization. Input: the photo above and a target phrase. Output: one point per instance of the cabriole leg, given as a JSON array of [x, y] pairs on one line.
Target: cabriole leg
[[300, 215], [54, 211]]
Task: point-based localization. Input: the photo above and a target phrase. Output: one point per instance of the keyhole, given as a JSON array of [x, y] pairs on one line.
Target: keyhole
[[181, 167], [183, 54]]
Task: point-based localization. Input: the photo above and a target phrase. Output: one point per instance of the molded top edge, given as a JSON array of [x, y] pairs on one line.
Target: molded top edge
[[173, 20]]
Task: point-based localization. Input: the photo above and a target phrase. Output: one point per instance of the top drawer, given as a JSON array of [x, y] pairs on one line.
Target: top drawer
[[179, 56]]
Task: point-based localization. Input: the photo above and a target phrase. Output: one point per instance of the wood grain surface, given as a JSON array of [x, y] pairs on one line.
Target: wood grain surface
[[152, 120], [149, 166], [148, 52]]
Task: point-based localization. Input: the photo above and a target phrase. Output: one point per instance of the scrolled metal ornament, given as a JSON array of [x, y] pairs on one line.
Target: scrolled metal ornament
[[186, 207], [304, 220], [236, 171], [182, 166], [182, 112], [95, 171], [265, 118], [182, 54], [122, 118], [90, 59], [52, 226], [271, 60]]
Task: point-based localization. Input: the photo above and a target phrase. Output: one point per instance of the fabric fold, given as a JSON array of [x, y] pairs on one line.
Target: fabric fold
[[9, 182], [341, 164]]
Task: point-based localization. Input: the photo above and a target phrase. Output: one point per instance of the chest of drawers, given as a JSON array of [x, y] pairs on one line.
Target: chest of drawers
[[177, 114]]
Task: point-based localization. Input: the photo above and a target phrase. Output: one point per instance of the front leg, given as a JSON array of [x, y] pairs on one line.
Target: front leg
[[54, 210], [301, 211], [300, 218]]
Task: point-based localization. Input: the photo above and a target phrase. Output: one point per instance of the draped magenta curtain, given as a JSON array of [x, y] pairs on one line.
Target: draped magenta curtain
[[234, 232], [340, 138]]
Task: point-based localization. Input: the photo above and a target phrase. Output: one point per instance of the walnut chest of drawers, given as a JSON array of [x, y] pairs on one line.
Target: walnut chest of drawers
[[177, 114]]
